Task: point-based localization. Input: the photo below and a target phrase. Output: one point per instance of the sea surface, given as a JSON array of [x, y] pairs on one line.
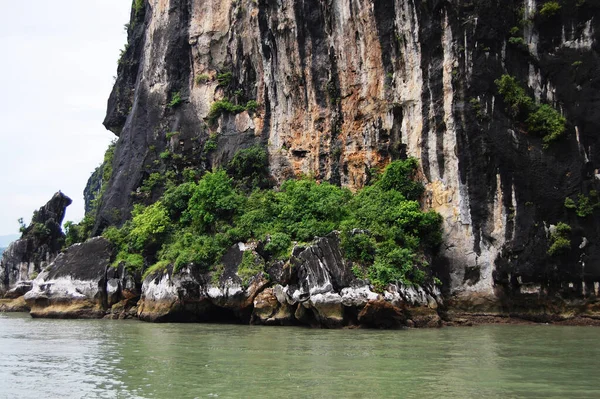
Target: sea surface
[[132, 359]]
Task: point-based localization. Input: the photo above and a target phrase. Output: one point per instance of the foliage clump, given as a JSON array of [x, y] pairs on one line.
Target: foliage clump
[[202, 78], [175, 99], [251, 266], [251, 105], [250, 168], [224, 78], [550, 9], [559, 240], [517, 41], [539, 118], [211, 144], [518, 102], [138, 6], [585, 205], [222, 106], [387, 230], [547, 121]]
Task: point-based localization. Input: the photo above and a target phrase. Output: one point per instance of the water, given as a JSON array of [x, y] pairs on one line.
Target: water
[[131, 359]]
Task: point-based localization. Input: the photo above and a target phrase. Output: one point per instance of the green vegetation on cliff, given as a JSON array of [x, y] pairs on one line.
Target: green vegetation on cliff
[[550, 9], [559, 240], [539, 118], [138, 6], [585, 205], [81, 231], [222, 106], [384, 231]]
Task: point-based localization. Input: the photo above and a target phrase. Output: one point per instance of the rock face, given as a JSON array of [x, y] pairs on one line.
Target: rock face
[[80, 283], [316, 289], [38, 246], [344, 86], [190, 295]]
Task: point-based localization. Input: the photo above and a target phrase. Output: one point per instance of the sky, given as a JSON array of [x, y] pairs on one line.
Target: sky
[[57, 62]]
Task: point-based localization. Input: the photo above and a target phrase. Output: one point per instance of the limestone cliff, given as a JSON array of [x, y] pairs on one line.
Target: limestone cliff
[[344, 86]]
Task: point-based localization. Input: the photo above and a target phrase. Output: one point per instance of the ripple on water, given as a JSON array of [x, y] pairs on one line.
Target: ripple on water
[[129, 359]]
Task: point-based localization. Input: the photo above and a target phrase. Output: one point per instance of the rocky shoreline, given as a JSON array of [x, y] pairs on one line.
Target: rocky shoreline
[[315, 288]]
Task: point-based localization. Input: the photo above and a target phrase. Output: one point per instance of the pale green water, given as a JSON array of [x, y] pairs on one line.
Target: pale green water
[[130, 359]]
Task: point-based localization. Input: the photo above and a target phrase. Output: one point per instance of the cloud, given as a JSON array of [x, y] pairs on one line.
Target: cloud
[[59, 59]]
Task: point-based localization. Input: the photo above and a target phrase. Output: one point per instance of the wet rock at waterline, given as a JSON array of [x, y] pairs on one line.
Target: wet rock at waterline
[[320, 291], [80, 283]]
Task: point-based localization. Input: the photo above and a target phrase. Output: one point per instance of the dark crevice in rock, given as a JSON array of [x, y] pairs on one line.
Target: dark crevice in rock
[[385, 13]]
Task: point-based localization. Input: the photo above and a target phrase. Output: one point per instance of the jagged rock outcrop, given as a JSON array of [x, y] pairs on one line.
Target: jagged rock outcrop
[[38, 246], [190, 295], [345, 86], [318, 289], [81, 284]]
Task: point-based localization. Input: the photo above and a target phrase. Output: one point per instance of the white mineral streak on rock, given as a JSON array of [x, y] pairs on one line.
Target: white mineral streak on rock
[[328, 298], [214, 292], [583, 42], [535, 82], [529, 31], [112, 286], [431, 147], [409, 81], [414, 296], [296, 296], [550, 93], [490, 248], [514, 214], [228, 290], [581, 147], [468, 52], [450, 197], [313, 280], [541, 90], [451, 200], [160, 288], [62, 287], [280, 293], [358, 296], [530, 289], [232, 289]]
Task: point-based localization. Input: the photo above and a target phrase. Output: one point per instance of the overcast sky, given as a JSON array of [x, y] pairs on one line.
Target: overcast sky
[[57, 62]]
